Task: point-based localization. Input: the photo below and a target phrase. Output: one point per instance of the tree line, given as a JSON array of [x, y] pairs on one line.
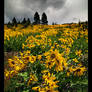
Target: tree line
[[27, 22]]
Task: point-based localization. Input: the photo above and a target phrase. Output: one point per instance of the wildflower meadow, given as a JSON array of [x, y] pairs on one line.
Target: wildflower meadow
[[50, 58]]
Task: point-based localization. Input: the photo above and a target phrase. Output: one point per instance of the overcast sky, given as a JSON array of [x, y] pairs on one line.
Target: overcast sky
[[60, 11]]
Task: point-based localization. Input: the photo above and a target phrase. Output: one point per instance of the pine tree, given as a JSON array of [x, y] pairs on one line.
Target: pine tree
[[18, 22], [36, 18], [53, 23], [24, 21], [14, 22], [28, 21], [9, 25], [44, 19], [79, 23]]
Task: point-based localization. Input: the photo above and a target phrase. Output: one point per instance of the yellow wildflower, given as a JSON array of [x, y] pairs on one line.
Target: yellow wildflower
[[75, 60]]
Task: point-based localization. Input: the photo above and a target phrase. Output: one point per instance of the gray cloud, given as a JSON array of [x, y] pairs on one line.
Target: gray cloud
[[43, 4], [57, 10]]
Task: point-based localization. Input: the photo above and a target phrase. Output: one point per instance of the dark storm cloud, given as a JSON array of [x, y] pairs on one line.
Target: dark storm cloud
[[15, 8], [44, 4], [27, 8], [57, 10]]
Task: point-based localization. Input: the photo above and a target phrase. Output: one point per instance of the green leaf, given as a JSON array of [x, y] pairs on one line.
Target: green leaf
[[26, 91], [84, 82], [24, 75], [19, 84]]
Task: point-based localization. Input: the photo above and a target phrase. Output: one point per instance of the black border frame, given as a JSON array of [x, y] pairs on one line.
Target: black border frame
[[2, 45]]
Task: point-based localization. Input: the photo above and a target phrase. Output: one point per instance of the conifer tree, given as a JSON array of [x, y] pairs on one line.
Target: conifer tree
[[14, 22], [36, 18], [79, 23], [28, 21], [44, 19], [18, 22], [53, 23], [24, 21], [9, 25]]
